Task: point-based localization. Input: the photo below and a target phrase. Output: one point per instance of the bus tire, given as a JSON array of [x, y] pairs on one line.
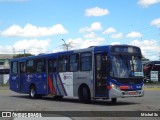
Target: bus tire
[[33, 92], [86, 97], [114, 100]]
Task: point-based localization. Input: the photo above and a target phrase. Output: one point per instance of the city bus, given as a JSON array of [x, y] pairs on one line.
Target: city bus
[[149, 68], [97, 72]]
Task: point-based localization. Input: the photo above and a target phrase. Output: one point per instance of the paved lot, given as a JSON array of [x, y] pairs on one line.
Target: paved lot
[[11, 101]]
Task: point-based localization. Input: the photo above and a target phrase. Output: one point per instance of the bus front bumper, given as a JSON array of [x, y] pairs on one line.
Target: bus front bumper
[[115, 93]]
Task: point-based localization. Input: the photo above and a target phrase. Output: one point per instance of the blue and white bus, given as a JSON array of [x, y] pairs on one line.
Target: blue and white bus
[[98, 72]]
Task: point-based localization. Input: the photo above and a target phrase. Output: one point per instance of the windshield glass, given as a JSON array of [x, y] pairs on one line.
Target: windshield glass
[[124, 66]]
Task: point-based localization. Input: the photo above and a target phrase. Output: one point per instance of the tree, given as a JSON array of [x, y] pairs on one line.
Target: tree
[[22, 55], [144, 59]]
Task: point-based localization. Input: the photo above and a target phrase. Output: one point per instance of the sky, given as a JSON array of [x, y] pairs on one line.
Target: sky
[[38, 26]]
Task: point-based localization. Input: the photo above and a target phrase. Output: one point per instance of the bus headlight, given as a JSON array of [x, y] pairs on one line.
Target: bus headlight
[[114, 86]]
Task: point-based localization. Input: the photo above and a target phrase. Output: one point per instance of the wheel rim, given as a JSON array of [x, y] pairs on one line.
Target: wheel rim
[[32, 92]]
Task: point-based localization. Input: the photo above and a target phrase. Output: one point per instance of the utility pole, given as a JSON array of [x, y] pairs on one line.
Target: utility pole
[[65, 44], [24, 53]]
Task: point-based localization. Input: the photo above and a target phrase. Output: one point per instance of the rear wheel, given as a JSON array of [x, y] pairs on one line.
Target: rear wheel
[[33, 92], [85, 95]]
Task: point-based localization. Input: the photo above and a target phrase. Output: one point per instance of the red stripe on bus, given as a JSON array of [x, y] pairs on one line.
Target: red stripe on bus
[[51, 85]]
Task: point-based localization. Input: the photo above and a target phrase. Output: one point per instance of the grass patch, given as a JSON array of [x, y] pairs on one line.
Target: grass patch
[[3, 85]]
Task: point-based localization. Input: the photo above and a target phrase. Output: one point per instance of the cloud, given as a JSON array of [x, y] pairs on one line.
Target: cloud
[[150, 48], [33, 46], [90, 35], [115, 43], [94, 27], [6, 49], [156, 22], [80, 43], [32, 31], [109, 30], [117, 36], [134, 35], [147, 3], [96, 11]]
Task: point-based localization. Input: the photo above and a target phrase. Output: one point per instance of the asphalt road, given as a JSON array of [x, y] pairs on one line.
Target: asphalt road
[[11, 101]]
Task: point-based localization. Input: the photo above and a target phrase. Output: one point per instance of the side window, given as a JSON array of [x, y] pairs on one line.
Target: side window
[[52, 65], [40, 66], [62, 64], [86, 61], [22, 68], [30, 66], [74, 62], [14, 68]]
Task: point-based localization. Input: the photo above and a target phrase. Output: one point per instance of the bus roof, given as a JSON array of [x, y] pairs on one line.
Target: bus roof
[[91, 48]]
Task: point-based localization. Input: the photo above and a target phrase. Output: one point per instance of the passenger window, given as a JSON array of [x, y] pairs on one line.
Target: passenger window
[[52, 65], [30, 66], [14, 68], [62, 65], [74, 62], [40, 66], [22, 68], [86, 62]]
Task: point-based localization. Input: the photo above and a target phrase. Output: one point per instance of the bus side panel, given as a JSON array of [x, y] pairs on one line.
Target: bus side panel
[[40, 80], [21, 82], [14, 83], [83, 78], [52, 84], [67, 83], [29, 79]]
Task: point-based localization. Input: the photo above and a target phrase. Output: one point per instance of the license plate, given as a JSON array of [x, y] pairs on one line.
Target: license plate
[[132, 93]]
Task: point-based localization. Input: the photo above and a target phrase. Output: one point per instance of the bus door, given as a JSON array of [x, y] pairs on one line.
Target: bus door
[[14, 79], [100, 75], [52, 76], [22, 77]]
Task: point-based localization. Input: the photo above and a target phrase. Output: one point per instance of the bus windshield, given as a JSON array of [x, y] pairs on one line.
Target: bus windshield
[[125, 66]]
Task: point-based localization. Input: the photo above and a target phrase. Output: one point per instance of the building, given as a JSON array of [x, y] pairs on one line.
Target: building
[[4, 67]]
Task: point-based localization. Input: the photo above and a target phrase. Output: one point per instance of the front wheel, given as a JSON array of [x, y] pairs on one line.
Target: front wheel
[[114, 100]]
